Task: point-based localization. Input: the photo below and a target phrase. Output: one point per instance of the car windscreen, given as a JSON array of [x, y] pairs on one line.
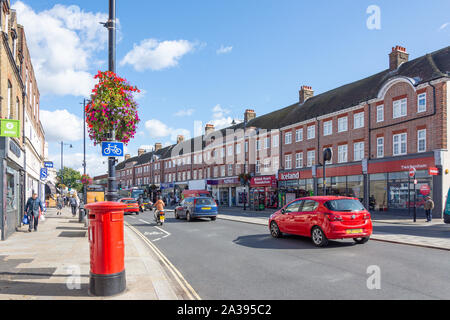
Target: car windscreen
[[344, 205], [130, 201], [205, 202]]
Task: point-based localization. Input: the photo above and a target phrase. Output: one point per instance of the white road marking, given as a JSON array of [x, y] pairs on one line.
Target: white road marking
[[144, 221]]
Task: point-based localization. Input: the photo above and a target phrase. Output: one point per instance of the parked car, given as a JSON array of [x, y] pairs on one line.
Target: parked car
[[132, 205], [197, 207], [323, 218]]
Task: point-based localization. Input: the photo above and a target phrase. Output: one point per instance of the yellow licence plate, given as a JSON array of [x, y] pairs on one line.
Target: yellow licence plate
[[161, 219], [354, 231], [206, 208]]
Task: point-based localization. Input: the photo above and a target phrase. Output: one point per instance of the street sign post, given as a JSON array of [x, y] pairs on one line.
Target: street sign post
[[44, 173], [112, 149], [48, 164], [9, 128]]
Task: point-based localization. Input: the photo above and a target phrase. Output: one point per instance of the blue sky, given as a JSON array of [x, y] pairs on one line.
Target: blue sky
[[210, 60]]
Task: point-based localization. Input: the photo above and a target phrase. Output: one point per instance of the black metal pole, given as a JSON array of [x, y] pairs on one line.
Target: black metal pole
[[111, 194], [409, 195], [415, 205], [62, 165], [245, 166]]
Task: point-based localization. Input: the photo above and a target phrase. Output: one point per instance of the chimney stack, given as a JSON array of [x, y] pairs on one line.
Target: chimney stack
[[209, 128], [158, 146], [141, 152], [397, 57], [305, 93], [127, 156], [180, 139], [249, 115]]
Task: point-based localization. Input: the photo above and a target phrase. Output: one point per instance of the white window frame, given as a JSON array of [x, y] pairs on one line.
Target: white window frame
[[422, 97], [401, 106], [380, 113], [311, 132], [258, 166], [299, 160], [299, 135], [275, 141], [380, 144], [358, 120], [424, 139], [328, 128], [288, 138], [358, 151], [399, 144], [288, 161], [342, 124], [343, 153], [275, 163], [310, 158]]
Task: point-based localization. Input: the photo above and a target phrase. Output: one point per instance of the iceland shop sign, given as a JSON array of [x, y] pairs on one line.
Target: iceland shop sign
[[286, 176]]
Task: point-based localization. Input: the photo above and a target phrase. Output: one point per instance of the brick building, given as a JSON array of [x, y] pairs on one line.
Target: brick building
[[378, 128], [20, 158]]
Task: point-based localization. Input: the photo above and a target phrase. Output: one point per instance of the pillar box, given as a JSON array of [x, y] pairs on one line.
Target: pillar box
[[107, 248]]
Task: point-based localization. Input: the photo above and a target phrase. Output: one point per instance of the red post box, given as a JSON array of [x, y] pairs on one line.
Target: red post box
[[107, 248]]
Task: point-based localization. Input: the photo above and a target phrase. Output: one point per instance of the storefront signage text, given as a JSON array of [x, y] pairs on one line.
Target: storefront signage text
[[289, 176]]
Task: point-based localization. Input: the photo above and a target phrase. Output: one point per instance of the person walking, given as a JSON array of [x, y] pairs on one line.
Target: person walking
[[73, 205], [59, 205], [429, 206], [34, 204]]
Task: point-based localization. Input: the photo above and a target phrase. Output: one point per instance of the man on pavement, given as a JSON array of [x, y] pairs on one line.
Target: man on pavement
[[32, 211], [73, 205], [429, 206]]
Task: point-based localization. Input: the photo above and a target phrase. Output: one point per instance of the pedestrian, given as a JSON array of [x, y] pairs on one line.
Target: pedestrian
[[73, 205], [429, 206], [59, 205], [34, 204]]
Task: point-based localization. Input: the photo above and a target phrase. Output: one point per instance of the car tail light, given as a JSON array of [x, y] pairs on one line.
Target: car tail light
[[333, 217], [366, 216], [195, 202]]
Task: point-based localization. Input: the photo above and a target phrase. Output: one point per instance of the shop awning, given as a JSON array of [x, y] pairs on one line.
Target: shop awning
[[50, 188]]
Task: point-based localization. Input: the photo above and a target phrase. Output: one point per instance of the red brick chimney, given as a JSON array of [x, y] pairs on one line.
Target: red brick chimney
[[249, 115], [180, 139], [141, 152], [127, 156], [397, 57], [305, 93], [158, 146]]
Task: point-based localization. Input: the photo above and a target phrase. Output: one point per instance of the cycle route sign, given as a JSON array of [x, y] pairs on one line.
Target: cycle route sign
[[112, 149]]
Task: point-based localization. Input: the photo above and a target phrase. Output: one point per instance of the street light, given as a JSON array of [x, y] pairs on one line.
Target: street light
[[62, 159]]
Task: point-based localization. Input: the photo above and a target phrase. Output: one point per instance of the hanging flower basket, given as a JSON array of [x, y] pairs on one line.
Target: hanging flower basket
[[245, 178], [86, 180], [112, 108]]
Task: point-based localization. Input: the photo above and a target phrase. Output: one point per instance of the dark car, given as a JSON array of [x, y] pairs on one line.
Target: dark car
[[197, 207], [147, 204]]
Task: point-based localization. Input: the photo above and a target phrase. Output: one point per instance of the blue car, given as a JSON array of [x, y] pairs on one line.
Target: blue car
[[197, 207]]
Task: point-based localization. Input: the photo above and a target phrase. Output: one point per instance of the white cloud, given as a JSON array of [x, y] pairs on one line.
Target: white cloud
[[224, 50], [185, 113], [95, 164], [152, 54], [158, 129], [61, 125], [220, 118], [140, 95], [62, 43], [445, 25]]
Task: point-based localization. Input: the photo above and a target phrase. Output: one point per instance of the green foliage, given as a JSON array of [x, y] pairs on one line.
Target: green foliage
[[70, 178]]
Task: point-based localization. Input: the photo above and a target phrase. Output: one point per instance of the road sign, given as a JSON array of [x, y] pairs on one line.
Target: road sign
[[48, 164], [10, 128], [412, 172], [112, 149], [425, 190], [44, 173]]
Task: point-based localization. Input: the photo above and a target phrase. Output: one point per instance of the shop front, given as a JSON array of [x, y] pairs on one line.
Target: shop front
[[293, 185], [392, 189], [12, 196], [167, 193], [263, 193], [225, 191]]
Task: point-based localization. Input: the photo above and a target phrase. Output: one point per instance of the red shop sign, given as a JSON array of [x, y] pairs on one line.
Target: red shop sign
[[425, 190], [264, 181], [286, 176], [433, 171]]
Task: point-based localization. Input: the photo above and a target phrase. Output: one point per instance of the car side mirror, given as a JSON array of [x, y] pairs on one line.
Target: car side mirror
[[283, 211]]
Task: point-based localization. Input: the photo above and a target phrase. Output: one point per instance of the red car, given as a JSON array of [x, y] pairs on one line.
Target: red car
[[323, 218], [132, 205]]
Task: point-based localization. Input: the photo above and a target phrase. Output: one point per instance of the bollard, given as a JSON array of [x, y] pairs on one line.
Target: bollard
[[107, 249]]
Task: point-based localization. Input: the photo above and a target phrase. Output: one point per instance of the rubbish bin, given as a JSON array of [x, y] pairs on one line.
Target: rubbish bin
[[107, 249]]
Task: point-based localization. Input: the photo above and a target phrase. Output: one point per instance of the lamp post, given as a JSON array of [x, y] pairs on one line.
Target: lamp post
[[327, 155], [111, 194], [62, 159]]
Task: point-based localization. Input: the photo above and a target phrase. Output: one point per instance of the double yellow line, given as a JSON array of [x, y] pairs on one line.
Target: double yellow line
[[187, 288]]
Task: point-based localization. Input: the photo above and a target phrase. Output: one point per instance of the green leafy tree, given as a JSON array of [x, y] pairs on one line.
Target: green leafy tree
[[70, 178]]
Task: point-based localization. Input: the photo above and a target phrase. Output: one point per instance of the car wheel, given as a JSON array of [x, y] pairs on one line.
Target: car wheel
[[177, 216], [274, 230], [318, 237], [361, 240], [188, 216], [213, 218]]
